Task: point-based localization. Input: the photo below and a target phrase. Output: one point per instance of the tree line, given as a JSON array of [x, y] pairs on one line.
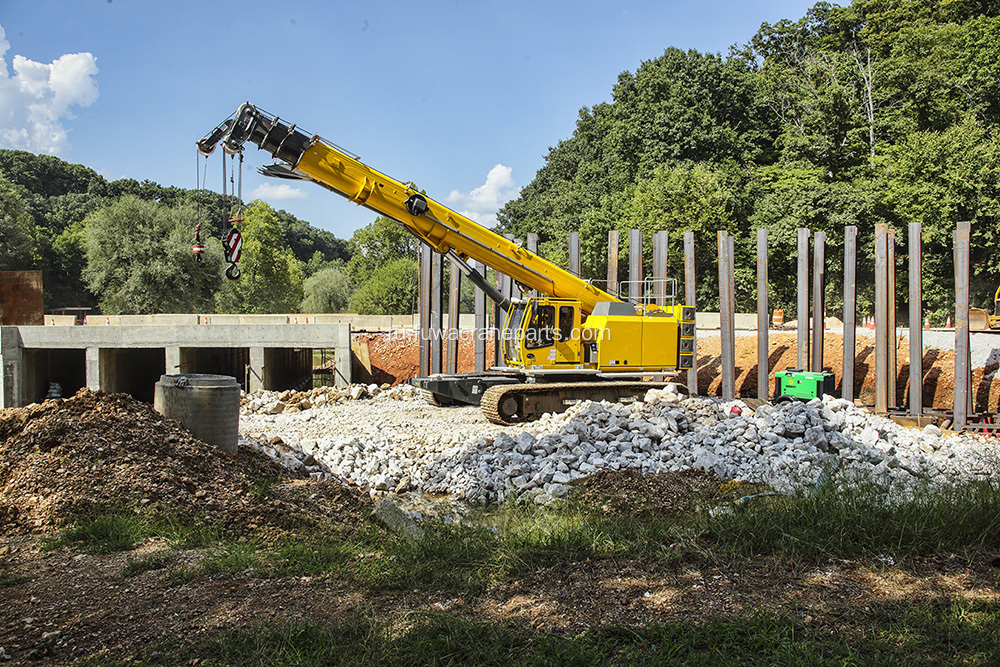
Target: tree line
[[883, 111], [124, 247]]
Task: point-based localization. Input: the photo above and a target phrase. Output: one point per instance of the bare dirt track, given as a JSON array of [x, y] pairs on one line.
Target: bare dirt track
[[395, 359]]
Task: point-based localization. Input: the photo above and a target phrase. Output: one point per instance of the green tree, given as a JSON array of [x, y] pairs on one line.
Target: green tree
[[271, 280], [377, 245], [17, 231], [139, 260], [938, 179], [328, 291], [391, 290]]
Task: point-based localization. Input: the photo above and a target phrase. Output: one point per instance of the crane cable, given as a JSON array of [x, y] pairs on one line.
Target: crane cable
[[198, 247]]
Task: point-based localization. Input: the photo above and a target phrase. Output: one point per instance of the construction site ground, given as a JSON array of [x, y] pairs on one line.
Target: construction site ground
[[395, 359], [220, 546]]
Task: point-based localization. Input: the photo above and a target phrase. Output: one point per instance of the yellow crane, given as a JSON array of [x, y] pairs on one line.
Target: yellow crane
[[573, 342]]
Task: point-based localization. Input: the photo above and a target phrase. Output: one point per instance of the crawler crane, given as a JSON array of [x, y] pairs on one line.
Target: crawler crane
[[573, 342]]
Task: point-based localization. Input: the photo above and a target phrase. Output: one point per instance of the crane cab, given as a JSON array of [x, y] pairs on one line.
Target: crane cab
[[543, 333]]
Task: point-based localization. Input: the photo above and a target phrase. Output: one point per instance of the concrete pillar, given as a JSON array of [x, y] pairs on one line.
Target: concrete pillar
[[256, 371], [11, 368], [93, 361], [342, 362], [172, 360]]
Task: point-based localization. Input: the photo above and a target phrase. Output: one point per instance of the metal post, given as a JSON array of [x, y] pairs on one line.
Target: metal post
[[725, 319], [914, 250], [802, 310], [660, 267], [574, 253], [531, 244], [454, 316], [881, 318], [424, 309], [819, 285], [763, 370], [731, 287], [613, 262], [437, 278], [690, 299], [850, 310], [480, 332], [498, 315], [890, 262], [635, 265], [963, 379]]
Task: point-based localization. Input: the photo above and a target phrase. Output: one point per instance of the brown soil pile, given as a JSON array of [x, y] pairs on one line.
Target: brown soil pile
[[64, 459], [630, 493]]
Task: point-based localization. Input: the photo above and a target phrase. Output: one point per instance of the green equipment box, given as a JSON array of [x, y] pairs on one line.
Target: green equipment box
[[803, 385]]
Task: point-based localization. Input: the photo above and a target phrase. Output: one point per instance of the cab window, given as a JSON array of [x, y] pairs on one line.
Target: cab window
[[566, 323], [541, 331]]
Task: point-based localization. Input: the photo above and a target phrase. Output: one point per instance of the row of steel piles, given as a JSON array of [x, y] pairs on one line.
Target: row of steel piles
[[886, 339]]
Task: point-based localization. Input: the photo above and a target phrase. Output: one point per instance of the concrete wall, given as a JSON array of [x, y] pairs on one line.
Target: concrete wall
[[131, 358]]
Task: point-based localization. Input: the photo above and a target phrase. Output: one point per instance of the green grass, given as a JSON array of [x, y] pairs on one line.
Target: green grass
[[912, 634], [502, 544], [111, 531], [117, 529], [863, 521]]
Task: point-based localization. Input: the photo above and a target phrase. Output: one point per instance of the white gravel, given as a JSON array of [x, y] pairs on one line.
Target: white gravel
[[396, 442]]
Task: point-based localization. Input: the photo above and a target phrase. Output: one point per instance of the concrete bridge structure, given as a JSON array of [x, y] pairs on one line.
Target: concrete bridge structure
[[129, 354]]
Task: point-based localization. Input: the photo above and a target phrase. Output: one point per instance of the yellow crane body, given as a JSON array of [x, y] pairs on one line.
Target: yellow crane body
[[560, 347]]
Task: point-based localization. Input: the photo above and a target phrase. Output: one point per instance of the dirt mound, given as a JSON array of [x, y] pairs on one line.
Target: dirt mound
[[64, 459], [630, 493]]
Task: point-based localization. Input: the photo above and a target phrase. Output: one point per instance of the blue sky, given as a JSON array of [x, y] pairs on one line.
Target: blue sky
[[464, 98]]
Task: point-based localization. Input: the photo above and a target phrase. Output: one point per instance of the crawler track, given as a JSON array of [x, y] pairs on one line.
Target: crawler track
[[515, 403]]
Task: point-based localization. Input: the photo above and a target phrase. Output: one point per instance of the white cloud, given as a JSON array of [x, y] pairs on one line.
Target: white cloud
[[38, 97], [483, 203], [281, 191]]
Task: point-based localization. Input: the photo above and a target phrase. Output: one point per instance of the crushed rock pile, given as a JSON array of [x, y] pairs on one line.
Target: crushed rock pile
[[786, 447], [65, 458], [274, 403]]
